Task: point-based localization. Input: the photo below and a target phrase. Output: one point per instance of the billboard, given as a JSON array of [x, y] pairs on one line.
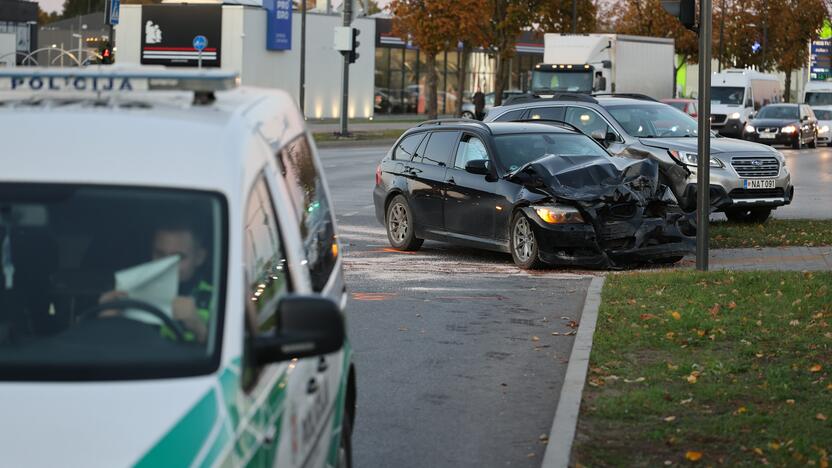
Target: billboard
[[168, 33], [278, 24]]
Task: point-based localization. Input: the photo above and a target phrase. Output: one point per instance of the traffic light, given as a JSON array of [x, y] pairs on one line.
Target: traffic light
[[683, 10], [107, 55], [354, 52]]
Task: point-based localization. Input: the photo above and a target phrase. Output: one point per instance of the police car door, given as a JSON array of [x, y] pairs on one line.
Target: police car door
[[307, 192]]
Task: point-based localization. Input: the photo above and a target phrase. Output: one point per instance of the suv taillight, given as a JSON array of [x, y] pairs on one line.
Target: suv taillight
[[378, 175]]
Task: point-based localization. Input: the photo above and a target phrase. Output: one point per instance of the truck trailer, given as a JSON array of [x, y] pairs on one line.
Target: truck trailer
[[605, 63]]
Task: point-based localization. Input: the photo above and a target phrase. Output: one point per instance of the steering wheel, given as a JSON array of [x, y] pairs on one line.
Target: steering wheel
[[139, 305]]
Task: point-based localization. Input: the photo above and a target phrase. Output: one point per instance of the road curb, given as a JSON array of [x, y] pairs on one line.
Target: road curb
[[559, 448]]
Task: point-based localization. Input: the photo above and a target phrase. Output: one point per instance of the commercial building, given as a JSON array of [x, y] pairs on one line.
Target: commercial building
[[263, 46], [18, 30]]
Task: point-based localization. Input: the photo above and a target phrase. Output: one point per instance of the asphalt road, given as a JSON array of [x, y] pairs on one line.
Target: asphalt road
[[456, 357], [812, 178]]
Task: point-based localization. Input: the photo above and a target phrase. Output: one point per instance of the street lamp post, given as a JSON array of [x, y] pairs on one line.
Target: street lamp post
[[703, 176], [574, 16]]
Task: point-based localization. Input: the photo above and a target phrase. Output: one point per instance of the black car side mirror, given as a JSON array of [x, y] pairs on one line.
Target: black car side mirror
[[309, 326], [477, 166]]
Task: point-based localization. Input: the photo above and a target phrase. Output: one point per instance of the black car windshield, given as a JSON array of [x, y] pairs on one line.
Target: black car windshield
[[102, 283], [778, 112], [819, 99], [654, 121], [515, 150], [823, 114], [727, 95]]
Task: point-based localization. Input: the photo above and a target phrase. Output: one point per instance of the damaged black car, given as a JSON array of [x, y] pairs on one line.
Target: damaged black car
[[547, 194]]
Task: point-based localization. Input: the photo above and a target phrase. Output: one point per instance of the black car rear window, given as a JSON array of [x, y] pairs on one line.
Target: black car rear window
[[439, 148], [407, 147]]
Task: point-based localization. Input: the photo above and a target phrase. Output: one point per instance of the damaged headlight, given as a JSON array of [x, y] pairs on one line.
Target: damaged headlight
[[691, 159], [558, 214]]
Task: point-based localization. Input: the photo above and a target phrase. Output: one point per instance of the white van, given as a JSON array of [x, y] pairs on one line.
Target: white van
[[818, 93], [736, 94], [171, 285]]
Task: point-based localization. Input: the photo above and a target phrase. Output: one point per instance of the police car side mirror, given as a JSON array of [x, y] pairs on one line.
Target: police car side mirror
[[308, 326]]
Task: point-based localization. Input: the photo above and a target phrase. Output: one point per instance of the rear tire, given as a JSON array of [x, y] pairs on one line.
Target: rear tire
[[748, 215], [345, 447], [401, 228], [525, 249]]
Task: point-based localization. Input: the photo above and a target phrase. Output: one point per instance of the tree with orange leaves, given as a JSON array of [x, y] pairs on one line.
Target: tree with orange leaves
[[794, 23], [436, 26]]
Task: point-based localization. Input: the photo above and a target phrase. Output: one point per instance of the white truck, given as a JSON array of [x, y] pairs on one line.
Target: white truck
[[818, 93], [604, 64], [736, 95]]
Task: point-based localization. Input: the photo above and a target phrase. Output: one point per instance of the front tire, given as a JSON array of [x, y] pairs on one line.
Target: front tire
[[797, 143], [401, 228], [814, 143], [525, 249], [748, 215], [345, 447]]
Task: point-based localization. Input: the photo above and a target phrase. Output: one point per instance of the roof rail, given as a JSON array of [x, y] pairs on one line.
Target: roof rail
[[640, 97], [522, 99], [561, 123], [455, 121]]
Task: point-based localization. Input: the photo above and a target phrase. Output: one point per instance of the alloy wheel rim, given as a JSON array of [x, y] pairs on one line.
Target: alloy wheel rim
[[523, 240], [398, 223]]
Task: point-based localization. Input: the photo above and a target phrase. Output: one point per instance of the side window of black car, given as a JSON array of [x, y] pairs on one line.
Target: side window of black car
[[547, 113], [439, 148], [511, 115], [407, 147]]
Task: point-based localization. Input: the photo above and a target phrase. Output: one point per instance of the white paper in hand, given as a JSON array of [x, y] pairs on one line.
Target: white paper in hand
[[155, 282]]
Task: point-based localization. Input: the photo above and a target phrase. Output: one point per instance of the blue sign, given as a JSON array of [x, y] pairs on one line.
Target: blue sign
[[200, 43], [278, 24], [113, 8], [756, 46]]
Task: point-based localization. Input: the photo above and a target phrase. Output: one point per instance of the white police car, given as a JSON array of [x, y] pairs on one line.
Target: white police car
[[171, 286]]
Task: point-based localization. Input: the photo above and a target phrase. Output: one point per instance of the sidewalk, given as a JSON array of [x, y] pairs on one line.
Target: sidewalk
[[769, 258], [382, 122]]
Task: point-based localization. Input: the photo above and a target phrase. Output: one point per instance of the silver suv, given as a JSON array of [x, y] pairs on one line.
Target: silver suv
[[748, 180]]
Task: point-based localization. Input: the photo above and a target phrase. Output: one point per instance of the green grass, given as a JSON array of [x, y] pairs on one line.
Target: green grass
[[772, 233], [359, 136], [734, 365]]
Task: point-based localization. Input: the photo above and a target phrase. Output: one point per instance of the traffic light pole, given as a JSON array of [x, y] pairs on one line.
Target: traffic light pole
[[703, 166], [302, 93], [345, 79]]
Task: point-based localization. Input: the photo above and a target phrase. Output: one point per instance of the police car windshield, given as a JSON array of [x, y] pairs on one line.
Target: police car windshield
[[654, 121], [515, 150], [109, 282]]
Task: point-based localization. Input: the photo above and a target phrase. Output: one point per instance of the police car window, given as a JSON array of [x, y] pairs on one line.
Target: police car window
[[439, 148], [470, 148], [511, 115], [407, 147], [546, 113], [109, 282], [266, 270], [311, 205]]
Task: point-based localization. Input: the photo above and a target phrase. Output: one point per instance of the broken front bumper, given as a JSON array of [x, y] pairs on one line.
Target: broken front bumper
[[614, 243]]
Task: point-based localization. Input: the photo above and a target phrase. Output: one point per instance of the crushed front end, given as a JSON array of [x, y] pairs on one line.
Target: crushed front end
[[605, 213]]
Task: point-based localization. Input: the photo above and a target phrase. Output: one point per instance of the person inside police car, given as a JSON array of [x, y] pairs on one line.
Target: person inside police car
[[193, 305]]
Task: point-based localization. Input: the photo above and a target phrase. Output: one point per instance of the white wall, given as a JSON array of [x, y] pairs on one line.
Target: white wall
[[8, 47], [244, 50]]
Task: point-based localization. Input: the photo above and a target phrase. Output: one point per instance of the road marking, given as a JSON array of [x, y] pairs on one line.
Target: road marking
[[364, 296]]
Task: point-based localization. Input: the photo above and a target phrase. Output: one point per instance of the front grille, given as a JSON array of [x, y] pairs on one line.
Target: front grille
[[756, 166], [774, 130], [617, 230], [718, 119], [742, 194]]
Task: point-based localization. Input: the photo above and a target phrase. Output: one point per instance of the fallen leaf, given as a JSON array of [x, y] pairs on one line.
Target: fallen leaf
[[544, 437], [829, 386], [758, 451], [732, 305], [573, 332], [647, 316], [572, 324], [742, 409], [700, 333], [671, 366], [714, 310], [670, 335], [794, 323], [676, 315], [789, 401], [640, 379], [774, 445], [670, 419], [692, 378], [821, 417], [403, 328], [535, 338], [555, 333], [686, 401], [816, 368], [693, 455]]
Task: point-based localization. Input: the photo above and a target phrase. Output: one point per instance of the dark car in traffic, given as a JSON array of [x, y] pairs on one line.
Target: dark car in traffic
[[748, 180], [545, 193], [784, 124]]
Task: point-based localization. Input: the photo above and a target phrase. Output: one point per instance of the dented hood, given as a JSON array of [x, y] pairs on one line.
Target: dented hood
[[718, 145], [593, 179]]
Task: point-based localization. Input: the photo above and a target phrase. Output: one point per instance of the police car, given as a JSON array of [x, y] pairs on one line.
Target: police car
[[171, 284]]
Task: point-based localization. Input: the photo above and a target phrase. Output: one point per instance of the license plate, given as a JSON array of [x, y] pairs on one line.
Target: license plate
[[767, 136], [759, 183]]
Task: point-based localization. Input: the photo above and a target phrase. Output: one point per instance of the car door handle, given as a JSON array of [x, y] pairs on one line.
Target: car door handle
[[312, 386], [322, 365]]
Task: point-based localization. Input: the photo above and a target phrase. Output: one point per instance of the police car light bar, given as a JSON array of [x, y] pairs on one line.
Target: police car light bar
[[112, 78]]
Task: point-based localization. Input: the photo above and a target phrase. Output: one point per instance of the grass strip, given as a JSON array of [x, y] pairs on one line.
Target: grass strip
[[772, 233], [721, 368]]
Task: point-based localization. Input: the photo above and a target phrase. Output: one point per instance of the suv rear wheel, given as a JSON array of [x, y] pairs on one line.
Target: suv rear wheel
[[401, 230], [748, 215]]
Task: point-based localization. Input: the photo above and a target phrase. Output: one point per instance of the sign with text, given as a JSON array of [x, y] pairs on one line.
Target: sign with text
[[278, 24], [168, 33]]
